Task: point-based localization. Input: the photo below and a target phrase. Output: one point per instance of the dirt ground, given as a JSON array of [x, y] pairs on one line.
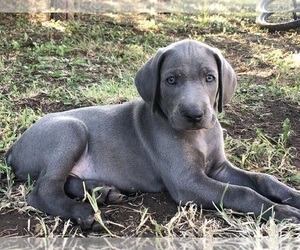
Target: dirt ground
[[161, 206]]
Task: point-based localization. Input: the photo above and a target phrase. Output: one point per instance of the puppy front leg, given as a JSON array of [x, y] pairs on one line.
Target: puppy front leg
[[206, 192], [264, 184]]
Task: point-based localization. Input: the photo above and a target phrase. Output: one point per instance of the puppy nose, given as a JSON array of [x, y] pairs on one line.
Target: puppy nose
[[193, 114]]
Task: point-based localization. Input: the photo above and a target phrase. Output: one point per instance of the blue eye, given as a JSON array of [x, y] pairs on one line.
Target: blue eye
[[171, 80], [210, 78]]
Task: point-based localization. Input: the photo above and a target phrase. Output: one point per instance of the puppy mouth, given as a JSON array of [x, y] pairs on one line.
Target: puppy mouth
[[196, 126]]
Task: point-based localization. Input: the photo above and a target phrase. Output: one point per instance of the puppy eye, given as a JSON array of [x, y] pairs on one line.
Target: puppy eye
[[210, 78], [171, 80]]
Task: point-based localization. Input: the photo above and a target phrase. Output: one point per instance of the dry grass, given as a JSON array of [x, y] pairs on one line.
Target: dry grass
[[53, 66]]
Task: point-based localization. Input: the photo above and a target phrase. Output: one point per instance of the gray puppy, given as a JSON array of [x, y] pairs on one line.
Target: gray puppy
[[168, 140]]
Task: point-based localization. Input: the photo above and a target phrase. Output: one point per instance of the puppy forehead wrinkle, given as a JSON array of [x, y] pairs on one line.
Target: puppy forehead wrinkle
[[189, 53], [190, 48], [180, 63]]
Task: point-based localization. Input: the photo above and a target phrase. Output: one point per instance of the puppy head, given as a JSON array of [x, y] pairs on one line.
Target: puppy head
[[187, 80]]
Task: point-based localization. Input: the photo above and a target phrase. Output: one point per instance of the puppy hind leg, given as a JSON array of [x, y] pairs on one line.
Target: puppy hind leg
[[75, 188], [58, 159]]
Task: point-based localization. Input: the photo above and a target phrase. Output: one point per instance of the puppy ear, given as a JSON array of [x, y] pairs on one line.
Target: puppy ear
[[147, 79], [227, 81]]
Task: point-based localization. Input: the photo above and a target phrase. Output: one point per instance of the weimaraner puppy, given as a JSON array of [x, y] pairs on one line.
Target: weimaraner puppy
[[168, 140]]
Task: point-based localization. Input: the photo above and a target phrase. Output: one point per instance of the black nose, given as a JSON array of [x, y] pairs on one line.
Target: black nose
[[192, 114]]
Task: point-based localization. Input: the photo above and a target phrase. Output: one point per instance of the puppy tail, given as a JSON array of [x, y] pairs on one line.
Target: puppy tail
[[6, 160], [7, 157]]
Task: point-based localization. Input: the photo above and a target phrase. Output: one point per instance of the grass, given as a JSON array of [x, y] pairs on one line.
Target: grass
[[48, 66]]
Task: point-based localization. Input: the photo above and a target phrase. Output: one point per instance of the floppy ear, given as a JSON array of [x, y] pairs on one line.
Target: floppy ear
[[227, 81], [147, 79]]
